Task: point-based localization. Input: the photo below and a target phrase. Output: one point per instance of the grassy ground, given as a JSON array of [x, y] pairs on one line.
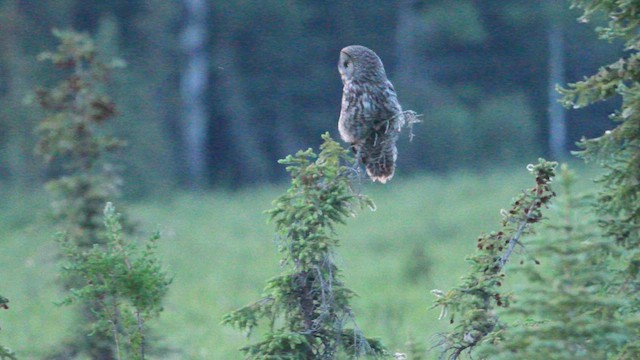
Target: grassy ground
[[222, 251]]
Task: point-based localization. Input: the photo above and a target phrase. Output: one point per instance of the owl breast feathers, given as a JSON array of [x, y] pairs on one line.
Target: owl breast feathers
[[371, 117]]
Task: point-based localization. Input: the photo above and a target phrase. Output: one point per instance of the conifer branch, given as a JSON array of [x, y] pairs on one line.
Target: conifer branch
[[515, 240], [475, 299]]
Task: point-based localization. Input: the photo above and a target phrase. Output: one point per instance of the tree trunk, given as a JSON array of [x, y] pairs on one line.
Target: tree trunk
[[557, 113], [193, 85]]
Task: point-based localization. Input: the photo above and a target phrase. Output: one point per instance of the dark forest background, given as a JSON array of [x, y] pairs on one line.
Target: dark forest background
[[214, 92]]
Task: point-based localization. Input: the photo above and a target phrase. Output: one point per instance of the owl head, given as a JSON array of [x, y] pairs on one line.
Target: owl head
[[360, 64]]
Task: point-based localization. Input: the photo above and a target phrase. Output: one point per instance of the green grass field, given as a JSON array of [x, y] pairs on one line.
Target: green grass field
[[221, 250]]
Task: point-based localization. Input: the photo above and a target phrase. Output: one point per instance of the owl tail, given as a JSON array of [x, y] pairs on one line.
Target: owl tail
[[379, 157]]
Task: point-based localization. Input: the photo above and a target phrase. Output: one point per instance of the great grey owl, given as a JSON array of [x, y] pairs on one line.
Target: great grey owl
[[371, 117]]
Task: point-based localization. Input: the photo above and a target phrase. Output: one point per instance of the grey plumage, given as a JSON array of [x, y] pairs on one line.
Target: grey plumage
[[371, 117]]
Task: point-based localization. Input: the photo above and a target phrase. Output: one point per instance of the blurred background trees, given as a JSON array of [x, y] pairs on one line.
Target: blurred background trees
[[216, 91]]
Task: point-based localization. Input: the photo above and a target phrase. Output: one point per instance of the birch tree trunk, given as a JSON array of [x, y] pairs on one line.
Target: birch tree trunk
[[193, 84], [557, 113]]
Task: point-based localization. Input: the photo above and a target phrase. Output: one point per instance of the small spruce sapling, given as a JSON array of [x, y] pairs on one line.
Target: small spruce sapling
[[123, 283], [564, 308], [471, 306], [307, 307]]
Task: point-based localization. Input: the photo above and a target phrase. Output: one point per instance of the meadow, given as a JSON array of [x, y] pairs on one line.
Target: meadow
[[221, 250]]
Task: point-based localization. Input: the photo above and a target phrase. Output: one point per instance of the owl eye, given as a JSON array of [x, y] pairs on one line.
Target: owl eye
[[345, 63]]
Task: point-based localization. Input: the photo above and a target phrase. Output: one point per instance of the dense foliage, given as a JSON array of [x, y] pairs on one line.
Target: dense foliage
[[618, 151], [307, 307]]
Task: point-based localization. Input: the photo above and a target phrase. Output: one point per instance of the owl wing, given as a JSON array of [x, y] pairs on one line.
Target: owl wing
[[369, 109], [379, 152], [388, 114]]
